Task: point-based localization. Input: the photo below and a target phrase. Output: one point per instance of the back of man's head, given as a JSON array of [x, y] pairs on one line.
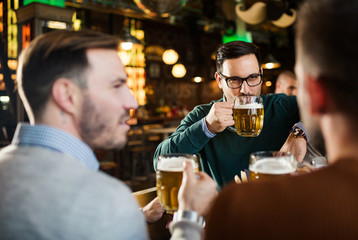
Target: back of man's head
[[235, 49], [326, 41], [58, 54]]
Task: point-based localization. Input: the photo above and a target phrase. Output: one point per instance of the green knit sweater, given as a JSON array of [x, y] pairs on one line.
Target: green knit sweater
[[226, 154]]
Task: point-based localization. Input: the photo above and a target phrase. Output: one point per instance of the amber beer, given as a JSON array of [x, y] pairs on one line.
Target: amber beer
[[249, 120], [271, 165], [169, 178], [248, 113]]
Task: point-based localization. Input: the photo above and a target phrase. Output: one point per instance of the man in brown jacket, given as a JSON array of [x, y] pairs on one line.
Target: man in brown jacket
[[322, 204]]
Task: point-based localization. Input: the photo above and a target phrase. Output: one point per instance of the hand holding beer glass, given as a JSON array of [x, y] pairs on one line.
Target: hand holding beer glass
[[169, 177], [267, 165], [248, 115]]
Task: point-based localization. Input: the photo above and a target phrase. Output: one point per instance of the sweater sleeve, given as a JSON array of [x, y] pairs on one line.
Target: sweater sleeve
[[189, 137]]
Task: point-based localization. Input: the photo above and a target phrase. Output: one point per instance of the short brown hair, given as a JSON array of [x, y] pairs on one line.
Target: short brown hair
[[286, 73], [326, 40], [236, 49], [53, 55]]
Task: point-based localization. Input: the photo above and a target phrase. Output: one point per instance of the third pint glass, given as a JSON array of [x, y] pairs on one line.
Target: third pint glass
[[169, 177]]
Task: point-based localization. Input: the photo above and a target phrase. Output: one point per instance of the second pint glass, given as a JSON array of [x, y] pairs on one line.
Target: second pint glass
[[169, 177], [248, 115], [267, 165]]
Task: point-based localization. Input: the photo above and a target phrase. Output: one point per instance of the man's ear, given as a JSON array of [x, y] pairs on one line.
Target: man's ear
[[218, 79], [66, 95], [317, 94], [278, 85]]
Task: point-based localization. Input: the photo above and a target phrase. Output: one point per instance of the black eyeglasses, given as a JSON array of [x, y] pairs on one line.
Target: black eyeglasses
[[236, 82]]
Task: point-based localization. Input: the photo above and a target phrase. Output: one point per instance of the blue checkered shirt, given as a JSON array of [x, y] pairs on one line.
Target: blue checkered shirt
[[55, 139]]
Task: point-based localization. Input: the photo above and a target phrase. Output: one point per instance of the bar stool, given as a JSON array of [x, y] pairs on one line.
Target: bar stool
[[140, 149], [157, 230], [108, 161], [141, 164]]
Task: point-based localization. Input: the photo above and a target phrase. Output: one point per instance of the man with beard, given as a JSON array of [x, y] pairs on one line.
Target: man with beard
[[322, 204], [73, 86]]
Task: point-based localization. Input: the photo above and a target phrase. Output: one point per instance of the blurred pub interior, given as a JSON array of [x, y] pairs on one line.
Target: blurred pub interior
[[194, 29]]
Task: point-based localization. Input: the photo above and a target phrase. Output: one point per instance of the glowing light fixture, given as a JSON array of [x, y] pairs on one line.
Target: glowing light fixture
[[126, 45], [56, 25], [76, 22], [179, 70], [197, 79], [12, 64], [125, 57], [170, 56], [4, 99], [270, 62], [213, 56], [268, 83], [127, 39]]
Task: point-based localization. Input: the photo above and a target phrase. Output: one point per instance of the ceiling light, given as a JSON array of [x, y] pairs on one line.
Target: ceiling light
[[125, 57], [179, 70], [127, 40], [4, 99], [170, 56], [56, 25], [197, 79], [270, 62]]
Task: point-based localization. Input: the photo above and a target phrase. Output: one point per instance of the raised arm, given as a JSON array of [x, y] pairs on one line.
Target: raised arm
[[195, 197], [196, 129], [296, 142]]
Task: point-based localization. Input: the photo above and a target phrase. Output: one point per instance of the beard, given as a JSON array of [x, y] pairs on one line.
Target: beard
[[95, 130]]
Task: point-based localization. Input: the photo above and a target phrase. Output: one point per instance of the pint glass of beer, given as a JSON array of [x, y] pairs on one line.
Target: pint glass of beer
[[267, 165], [169, 177], [248, 115]]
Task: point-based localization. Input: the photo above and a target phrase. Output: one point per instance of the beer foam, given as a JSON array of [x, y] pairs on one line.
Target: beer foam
[[273, 166], [174, 164], [250, 105]]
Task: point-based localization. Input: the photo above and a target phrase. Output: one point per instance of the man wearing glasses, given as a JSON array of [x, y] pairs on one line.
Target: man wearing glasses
[[207, 129]]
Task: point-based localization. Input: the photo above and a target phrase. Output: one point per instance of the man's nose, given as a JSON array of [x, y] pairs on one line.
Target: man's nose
[[130, 101], [245, 88]]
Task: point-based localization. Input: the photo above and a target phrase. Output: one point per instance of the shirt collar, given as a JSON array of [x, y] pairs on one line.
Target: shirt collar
[[58, 140]]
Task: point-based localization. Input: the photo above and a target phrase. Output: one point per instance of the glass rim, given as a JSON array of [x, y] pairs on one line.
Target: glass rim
[[163, 158], [265, 153], [248, 96], [247, 100], [169, 155], [277, 155]]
